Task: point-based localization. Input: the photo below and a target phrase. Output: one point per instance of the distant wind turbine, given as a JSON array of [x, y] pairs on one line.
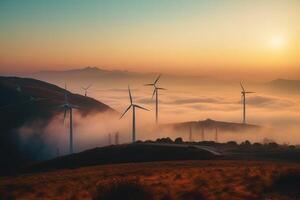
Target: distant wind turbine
[[117, 138], [133, 106], [86, 89], [109, 139], [69, 107], [155, 92], [216, 135], [190, 133], [244, 92]]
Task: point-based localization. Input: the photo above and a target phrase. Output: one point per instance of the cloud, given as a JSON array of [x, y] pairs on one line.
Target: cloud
[[196, 100], [268, 101]]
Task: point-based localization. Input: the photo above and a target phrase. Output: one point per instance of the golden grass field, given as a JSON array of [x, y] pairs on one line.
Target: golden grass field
[[186, 180]]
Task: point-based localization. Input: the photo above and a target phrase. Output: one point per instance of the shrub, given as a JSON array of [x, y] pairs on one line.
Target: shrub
[[122, 189], [287, 184], [178, 140], [192, 195]]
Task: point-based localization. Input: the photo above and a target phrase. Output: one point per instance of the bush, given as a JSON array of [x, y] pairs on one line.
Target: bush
[[287, 184], [178, 140], [192, 195], [292, 147], [122, 189], [232, 143], [273, 145]]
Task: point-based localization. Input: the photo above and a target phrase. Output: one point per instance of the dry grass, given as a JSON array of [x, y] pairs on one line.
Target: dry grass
[[186, 180]]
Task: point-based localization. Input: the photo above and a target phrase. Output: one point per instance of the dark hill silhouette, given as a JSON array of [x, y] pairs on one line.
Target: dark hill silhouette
[[210, 124], [26, 101], [137, 152]]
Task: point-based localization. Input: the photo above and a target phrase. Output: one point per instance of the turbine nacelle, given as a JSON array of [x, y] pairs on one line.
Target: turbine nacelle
[[86, 89], [132, 105]]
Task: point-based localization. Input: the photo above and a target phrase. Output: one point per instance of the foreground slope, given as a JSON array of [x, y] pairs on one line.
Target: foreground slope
[[176, 180]]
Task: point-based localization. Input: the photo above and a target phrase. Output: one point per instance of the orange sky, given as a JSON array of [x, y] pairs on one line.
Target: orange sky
[[254, 39]]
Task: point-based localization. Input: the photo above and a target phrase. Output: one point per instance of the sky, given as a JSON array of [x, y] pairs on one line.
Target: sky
[[258, 39]]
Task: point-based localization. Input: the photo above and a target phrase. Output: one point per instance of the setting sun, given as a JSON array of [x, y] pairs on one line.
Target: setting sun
[[277, 42]]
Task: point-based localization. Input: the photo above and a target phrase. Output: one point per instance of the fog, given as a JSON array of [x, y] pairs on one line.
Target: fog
[[278, 114]]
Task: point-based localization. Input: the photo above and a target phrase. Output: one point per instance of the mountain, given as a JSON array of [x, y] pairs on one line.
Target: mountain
[[112, 78], [87, 72], [210, 124], [285, 85], [26, 102]]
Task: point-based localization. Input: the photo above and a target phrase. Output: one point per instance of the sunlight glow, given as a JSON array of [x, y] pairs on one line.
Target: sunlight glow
[[277, 42]]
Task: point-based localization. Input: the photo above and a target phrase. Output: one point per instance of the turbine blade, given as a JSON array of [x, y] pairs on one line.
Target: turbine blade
[[90, 85], [125, 111], [249, 92], [66, 97], [130, 97], [242, 87], [150, 84], [154, 91], [65, 113], [66, 93], [74, 106], [157, 79], [141, 107], [161, 88]]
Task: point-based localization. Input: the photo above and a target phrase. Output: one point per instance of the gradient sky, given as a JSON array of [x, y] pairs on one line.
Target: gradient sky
[[258, 38]]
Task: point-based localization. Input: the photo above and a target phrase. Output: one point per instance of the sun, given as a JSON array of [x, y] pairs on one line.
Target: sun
[[277, 41]]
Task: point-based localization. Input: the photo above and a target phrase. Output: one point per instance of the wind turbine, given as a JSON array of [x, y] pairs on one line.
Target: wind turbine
[[244, 92], [216, 135], [133, 106], [69, 107], [86, 89], [190, 133], [155, 92]]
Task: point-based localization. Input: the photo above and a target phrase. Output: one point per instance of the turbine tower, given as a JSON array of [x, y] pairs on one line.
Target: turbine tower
[[202, 134], [244, 92], [155, 92], [190, 133], [69, 107], [133, 106], [117, 138], [216, 135], [86, 89], [109, 139]]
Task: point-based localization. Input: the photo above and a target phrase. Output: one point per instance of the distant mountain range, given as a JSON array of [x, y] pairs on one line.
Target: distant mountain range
[[112, 77], [88, 72], [103, 76], [26, 101], [210, 124], [284, 85]]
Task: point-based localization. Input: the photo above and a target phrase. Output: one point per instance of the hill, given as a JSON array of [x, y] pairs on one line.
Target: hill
[[25, 101], [210, 124], [127, 153], [285, 85]]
